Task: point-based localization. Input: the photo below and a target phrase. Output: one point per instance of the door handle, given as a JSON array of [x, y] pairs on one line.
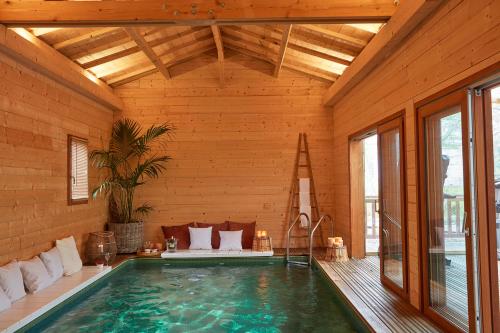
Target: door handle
[[465, 229]]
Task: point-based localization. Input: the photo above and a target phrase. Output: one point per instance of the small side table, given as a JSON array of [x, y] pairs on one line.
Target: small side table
[[337, 254], [262, 244]]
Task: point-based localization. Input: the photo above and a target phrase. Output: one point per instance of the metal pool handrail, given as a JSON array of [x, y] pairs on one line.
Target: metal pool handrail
[[288, 239], [311, 234]]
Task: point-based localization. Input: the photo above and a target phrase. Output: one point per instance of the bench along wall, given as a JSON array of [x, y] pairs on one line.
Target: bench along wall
[[36, 115], [234, 148], [460, 39]]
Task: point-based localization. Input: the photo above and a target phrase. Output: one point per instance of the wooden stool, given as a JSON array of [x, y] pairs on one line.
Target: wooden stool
[[337, 254]]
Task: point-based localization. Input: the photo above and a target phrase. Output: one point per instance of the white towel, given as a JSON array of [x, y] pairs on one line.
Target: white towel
[[304, 185], [304, 199], [303, 221]]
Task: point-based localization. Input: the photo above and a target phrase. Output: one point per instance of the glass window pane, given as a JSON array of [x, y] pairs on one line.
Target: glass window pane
[[495, 112], [445, 216], [392, 237]]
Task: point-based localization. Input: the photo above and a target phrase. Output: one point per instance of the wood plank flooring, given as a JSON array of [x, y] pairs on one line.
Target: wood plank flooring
[[359, 281]]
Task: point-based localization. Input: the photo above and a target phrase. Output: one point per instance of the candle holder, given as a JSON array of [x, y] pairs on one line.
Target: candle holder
[[171, 244], [262, 242], [100, 245]]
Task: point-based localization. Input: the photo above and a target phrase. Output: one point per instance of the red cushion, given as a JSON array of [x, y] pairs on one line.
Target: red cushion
[[215, 231], [248, 232], [180, 232]]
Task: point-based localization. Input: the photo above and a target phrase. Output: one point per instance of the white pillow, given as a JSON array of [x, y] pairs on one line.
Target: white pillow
[[52, 261], [4, 301], [35, 274], [69, 255], [230, 240], [201, 238], [11, 281]]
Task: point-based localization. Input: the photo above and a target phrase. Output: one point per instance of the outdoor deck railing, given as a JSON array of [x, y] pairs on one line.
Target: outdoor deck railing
[[452, 217]]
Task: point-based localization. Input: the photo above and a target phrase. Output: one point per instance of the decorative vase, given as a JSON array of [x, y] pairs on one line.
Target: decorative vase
[[101, 245], [129, 236]]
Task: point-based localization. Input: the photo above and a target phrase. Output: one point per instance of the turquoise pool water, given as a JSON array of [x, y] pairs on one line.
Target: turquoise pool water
[[204, 296]]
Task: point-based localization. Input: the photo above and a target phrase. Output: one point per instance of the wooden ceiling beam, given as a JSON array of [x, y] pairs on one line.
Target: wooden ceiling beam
[[327, 43], [203, 12], [291, 45], [186, 45], [281, 54], [121, 39], [43, 31], [319, 45], [33, 53], [123, 79], [220, 51], [333, 34], [231, 39], [296, 66], [83, 38], [251, 54], [318, 54], [311, 72], [383, 44], [148, 51], [135, 49]]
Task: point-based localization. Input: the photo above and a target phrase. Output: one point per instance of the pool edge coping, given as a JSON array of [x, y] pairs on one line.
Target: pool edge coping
[[20, 325]]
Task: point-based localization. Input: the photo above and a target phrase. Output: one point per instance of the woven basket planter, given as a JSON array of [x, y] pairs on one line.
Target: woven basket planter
[[129, 236]]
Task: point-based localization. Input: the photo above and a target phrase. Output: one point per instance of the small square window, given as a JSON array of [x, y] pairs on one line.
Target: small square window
[[78, 180]]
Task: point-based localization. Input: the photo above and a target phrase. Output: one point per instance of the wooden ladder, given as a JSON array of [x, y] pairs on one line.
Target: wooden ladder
[[302, 169]]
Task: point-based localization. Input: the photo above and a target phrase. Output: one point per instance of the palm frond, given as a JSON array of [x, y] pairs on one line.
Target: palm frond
[[104, 187], [151, 167], [144, 209], [123, 137], [143, 144]]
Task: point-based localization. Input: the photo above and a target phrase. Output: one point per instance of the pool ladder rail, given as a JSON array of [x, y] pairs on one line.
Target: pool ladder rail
[[310, 236]]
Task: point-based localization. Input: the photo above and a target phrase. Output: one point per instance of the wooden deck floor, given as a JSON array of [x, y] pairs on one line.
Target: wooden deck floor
[[359, 280]]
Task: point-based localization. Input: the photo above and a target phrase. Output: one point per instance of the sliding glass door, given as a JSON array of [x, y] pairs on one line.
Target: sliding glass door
[[392, 207], [445, 203], [487, 99]]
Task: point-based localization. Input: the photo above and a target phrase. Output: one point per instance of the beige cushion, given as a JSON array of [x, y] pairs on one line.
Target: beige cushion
[[11, 281], [4, 301], [35, 275], [69, 255], [52, 261]]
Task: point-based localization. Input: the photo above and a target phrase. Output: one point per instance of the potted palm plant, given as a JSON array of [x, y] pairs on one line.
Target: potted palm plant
[[131, 160]]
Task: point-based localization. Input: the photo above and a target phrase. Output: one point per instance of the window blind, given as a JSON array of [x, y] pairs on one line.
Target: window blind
[[79, 170]]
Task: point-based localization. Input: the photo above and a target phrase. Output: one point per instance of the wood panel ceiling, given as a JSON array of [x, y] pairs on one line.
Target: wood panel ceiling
[[118, 55]]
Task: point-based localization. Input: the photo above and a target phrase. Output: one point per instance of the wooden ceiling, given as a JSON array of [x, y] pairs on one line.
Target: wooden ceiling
[[118, 55]]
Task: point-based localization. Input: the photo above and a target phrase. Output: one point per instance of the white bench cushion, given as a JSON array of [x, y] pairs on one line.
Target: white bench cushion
[[230, 240], [69, 255], [4, 301], [52, 261], [11, 281], [35, 274]]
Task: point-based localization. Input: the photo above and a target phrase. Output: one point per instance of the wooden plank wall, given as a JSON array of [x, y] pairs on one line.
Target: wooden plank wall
[[456, 42], [36, 115], [234, 148]]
